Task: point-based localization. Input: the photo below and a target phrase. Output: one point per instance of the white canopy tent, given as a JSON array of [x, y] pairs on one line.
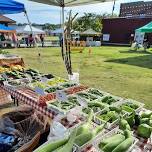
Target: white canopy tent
[[57, 31], [90, 32], [27, 30], [69, 3]]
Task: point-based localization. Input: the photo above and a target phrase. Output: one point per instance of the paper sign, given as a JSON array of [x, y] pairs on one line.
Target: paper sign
[[39, 91], [61, 95], [139, 37], [82, 102], [106, 37]]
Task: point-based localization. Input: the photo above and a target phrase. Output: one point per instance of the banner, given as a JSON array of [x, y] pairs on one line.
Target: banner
[[139, 38]]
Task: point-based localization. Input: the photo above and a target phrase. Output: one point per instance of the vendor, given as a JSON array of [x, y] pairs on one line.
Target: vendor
[[2, 37]]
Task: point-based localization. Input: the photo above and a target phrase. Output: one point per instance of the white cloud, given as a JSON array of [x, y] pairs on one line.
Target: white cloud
[[40, 13]]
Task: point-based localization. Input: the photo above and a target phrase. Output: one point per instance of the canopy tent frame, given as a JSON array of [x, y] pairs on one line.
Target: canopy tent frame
[[13, 7]]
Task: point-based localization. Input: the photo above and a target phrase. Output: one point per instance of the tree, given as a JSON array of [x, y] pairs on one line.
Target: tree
[[90, 20]]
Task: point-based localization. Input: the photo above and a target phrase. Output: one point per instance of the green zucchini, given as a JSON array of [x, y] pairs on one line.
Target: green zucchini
[[52, 146], [83, 138], [113, 144], [127, 134], [69, 145], [85, 127], [128, 109], [124, 125], [110, 139], [124, 146]]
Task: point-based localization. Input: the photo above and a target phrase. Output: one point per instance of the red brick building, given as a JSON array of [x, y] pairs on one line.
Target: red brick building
[[121, 30]]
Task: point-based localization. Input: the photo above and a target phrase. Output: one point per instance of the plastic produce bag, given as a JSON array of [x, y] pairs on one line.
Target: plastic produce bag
[[26, 130], [23, 124]]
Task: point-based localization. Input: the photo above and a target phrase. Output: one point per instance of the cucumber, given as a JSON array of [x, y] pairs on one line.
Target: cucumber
[[124, 146], [144, 121], [117, 109], [69, 145], [146, 114], [113, 144], [110, 139], [124, 125], [52, 146], [127, 133], [83, 138], [131, 120], [128, 109]]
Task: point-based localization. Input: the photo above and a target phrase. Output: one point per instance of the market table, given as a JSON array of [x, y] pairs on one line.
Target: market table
[[31, 98], [7, 60]]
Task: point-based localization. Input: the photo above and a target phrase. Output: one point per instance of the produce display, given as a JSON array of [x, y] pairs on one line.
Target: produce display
[[68, 85], [96, 92], [64, 106], [109, 100], [11, 68], [76, 89], [120, 141], [87, 96], [14, 83], [95, 106], [131, 106], [48, 76], [85, 134], [32, 72], [143, 121], [53, 89], [110, 115], [4, 69], [38, 84], [56, 81]]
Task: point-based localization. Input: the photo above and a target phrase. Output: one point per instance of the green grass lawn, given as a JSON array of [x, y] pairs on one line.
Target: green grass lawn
[[113, 69]]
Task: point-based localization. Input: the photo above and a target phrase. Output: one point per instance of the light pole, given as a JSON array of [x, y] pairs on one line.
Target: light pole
[[113, 7]]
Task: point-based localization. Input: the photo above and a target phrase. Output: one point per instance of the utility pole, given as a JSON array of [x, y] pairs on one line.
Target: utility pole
[[114, 3]]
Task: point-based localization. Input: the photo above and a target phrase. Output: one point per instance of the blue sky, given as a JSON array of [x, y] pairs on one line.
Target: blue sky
[[40, 13]]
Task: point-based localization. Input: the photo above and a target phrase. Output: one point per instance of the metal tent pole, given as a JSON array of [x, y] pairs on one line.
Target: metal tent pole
[[28, 20]]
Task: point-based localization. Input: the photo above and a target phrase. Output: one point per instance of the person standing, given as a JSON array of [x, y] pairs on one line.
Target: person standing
[[42, 39], [14, 39], [31, 40]]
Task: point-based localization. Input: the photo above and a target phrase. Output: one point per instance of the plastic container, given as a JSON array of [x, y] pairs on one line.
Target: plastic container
[[108, 125], [79, 149], [109, 134]]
